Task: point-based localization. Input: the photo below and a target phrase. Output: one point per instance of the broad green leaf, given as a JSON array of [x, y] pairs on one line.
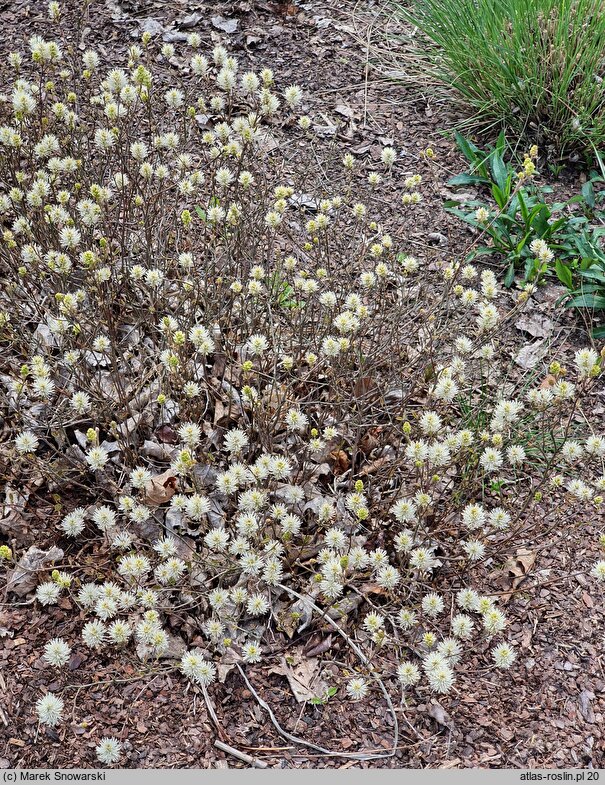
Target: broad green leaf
[[468, 179], [588, 193], [499, 171], [596, 301], [510, 275], [563, 273]]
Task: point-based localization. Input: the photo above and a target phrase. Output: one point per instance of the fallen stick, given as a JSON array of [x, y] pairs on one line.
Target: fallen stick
[[243, 756]]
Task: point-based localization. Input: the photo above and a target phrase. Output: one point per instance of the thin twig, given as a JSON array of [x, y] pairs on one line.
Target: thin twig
[[366, 662], [243, 756], [212, 713], [297, 739]]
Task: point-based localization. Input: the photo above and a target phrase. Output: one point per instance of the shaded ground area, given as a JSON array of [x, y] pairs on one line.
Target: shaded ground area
[[551, 711]]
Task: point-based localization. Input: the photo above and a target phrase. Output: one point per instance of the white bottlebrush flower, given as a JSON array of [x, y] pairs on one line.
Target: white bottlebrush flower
[[197, 506], [404, 510], [515, 454], [499, 518], [88, 594], [467, 599], [432, 605], [104, 518], [423, 559], [94, 634], [572, 451], [217, 539], [474, 549], [494, 621], [57, 652], [296, 420], [235, 441], [406, 619], [174, 98], [388, 577], [251, 653], [462, 626], [49, 709], [199, 65], [595, 445], [586, 360], [491, 459], [119, 632], [430, 423], [139, 477], [408, 673], [503, 655], [293, 96], [48, 593], [257, 345], [134, 566], [80, 402], [26, 442], [388, 156], [109, 750], [257, 605], [190, 434], [357, 689], [97, 458], [441, 679], [598, 571], [280, 468], [198, 669], [73, 523], [404, 541], [446, 389]]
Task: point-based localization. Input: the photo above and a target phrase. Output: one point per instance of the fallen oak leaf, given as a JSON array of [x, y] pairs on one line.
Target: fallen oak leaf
[[321, 648], [440, 715], [303, 676], [161, 488], [518, 567], [24, 577], [374, 466], [341, 462]]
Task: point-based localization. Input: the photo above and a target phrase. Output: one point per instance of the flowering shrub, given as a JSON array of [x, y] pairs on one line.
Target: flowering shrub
[[273, 414]]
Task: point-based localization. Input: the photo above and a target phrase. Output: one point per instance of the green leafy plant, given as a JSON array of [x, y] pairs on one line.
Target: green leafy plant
[[321, 701], [532, 67], [590, 292], [520, 220], [283, 292]]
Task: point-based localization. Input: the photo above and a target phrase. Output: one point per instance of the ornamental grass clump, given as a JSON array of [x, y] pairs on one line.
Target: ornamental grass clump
[[532, 67], [272, 415]]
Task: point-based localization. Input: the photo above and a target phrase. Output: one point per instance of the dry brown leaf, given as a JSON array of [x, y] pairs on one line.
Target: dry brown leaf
[[374, 466], [522, 563], [303, 676], [373, 588], [440, 715], [24, 577], [518, 567], [370, 440], [161, 488], [322, 647], [341, 461], [548, 381]]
